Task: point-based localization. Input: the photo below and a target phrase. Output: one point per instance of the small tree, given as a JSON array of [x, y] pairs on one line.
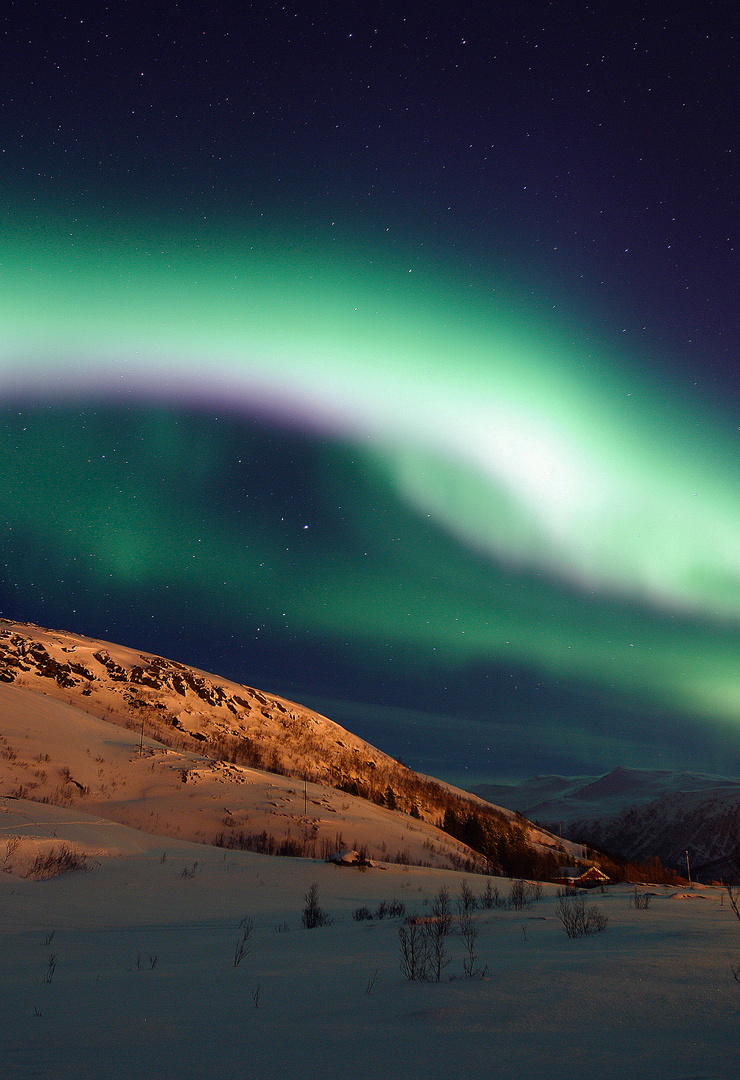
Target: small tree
[[313, 914], [414, 951], [469, 933], [436, 932], [466, 901], [441, 910]]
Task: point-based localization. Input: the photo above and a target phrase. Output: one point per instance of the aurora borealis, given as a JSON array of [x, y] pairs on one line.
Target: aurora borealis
[[447, 500]]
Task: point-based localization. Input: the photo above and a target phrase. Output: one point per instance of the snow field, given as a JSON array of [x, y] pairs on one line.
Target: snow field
[[145, 983]]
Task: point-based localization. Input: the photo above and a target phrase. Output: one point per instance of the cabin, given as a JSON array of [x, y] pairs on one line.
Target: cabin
[[578, 878], [350, 858]]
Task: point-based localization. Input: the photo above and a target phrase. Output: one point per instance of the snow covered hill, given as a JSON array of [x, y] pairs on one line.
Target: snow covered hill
[[638, 814], [156, 745]]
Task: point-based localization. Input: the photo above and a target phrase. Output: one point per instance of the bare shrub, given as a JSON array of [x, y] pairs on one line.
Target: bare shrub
[[466, 901], [469, 934], [423, 941], [414, 955], [330, 847], [641, 900], [523, 893], [436, 931], [578, 920], [733, 895], [435, 934], [57, 861], [313, 914], [242, 948], [518, 897], [490, 897], [12, 844], [441, 909], [265, 843], [396, 909]]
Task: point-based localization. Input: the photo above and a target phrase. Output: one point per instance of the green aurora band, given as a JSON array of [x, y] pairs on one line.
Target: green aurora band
[[508, 491]]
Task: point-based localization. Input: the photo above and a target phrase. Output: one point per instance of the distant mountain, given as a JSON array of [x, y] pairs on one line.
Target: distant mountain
[[638, 814], [169, 749]]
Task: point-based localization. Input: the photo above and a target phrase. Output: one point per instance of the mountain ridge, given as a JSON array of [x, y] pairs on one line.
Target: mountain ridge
[[638, 814]]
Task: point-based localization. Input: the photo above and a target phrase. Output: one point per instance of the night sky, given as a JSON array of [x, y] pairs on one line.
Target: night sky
[[385, 359]]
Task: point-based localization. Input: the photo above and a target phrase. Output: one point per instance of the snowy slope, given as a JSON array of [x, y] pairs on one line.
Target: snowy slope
[[144, 981], [158, 746]]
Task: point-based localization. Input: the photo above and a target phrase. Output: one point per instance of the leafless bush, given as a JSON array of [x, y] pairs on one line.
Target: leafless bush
[[330, 847], [242, 948], [423, 941], [641, 900], [518, 897], [57, 861], [414, 954], [523, 893], [50, 968], [396, 909], [489, 897], [469, 934], [313, 914], [12, 844], [466, 901], [733, 894], [441, 909], [435, 934], [577, 919], [265, 843], [436, 931]]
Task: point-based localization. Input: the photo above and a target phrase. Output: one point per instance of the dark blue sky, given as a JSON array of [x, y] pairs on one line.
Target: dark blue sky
[[560, 181]]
